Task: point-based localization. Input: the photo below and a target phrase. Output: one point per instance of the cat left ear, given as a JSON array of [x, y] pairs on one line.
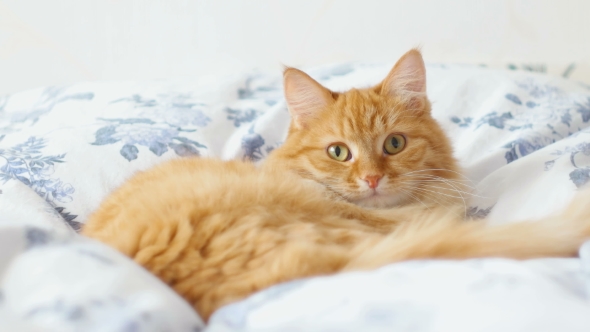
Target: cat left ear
[[305, 96], [407, 79]]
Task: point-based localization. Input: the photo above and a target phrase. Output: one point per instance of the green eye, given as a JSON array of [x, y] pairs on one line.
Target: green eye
[[394, 143], [339, 152]]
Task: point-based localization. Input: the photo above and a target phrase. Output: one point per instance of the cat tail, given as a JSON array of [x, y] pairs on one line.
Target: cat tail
[[443, 236]]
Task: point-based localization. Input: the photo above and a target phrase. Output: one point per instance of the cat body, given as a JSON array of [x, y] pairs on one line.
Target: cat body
[[244, 229], [364, 178]]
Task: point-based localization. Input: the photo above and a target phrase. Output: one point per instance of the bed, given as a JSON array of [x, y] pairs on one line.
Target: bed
[[522, 138]]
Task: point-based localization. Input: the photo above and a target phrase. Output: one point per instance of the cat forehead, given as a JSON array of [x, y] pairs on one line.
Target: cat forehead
[[357, 111]]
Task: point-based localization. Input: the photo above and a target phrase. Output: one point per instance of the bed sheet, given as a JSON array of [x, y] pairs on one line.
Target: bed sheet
[[522, 138]]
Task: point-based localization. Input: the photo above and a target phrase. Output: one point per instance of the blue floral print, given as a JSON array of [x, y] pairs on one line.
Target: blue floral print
[[26, 163], [160, 127], [47, 100], [158, 137], [540, 112], [581, 174]]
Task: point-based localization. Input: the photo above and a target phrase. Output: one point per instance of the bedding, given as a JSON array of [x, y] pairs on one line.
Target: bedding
[[522, 138]]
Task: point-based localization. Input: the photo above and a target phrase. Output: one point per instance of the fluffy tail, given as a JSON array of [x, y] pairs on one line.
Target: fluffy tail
[[446, 237]]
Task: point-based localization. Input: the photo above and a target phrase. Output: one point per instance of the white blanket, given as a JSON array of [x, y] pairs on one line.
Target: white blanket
[[523, 139]]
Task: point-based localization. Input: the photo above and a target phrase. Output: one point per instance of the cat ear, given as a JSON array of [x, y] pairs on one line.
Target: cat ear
[[407, 79], [305, 97]]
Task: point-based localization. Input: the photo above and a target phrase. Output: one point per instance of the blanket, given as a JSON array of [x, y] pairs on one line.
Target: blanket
[[523, 140]]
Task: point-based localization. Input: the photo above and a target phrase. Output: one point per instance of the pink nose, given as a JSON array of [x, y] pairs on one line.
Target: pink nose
[[373, 180]]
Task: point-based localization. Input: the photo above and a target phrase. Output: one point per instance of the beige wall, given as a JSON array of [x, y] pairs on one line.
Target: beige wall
[[44, 42]]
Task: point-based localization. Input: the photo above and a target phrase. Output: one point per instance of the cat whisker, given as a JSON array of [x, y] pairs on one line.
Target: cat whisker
[[336, 187], [333, 189], [440, 200], [431, 176], [444, 184], [458, 190], [438, 169], [452, 188], [409, 194], [446, 203], [434, 178], [455, 186], [345, 197], [427, 176], [439, 193]]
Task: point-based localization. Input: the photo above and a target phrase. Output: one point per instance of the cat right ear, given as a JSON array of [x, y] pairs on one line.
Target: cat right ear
[[305, 97], [407, 79]]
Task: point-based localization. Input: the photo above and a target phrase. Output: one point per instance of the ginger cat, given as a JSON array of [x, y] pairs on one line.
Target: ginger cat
[[365, 178]]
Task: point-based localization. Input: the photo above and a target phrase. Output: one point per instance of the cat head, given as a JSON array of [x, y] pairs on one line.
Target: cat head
[[376, 147]]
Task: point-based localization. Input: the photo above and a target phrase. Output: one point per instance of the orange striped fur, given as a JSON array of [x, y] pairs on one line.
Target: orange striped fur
[[217, 231]]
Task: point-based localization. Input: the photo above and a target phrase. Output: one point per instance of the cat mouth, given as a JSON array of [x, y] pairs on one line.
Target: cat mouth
[[374, 193], [375, 199]]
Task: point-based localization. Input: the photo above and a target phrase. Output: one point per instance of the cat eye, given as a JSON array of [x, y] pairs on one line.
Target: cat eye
[[394, 143], [339, 152]]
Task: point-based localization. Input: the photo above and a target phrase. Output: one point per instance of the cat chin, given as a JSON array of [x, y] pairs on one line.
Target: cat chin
[[380, 201]]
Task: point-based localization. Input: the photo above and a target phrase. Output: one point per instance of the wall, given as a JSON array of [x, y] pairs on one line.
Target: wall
[[46, 42]]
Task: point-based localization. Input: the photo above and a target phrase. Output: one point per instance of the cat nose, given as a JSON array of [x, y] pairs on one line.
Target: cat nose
[[373, 180]]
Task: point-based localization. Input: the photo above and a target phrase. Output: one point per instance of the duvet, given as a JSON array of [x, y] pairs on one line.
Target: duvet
[[522, 138]]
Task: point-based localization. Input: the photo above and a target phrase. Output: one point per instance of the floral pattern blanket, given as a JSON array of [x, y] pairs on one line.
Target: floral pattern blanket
[[523, 139]]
